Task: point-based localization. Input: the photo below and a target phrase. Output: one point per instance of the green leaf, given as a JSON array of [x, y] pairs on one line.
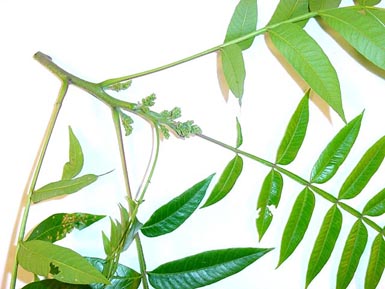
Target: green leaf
[[376, 205], [295, 133], [243, 22], [63, 187], [316, 5], [325, 242], [361, 30], [239, 134], [57, 226], [124, 277], [54, 284], [287, 9], [354, 247], [376, 263], [173, 214], [234, 69], [378, 14], [134, 229], [364, 170], [297, 224], [367, 2], [46, 259], [226, 182], [204, 268], [269, 196], [336, 152], [76, 159], [310, 62]]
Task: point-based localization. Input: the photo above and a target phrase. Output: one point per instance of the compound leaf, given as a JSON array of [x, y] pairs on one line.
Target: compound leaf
[[336, 152], [226, 181], [297, 224], [47, 259], [269, 196], [324, 244], [204, 268], [316, 5], [57, 226], [310, 62], [76, 159], [376, 263], [173, 214], [233, 69], [287, 9], [63, 187], [295, 133], [364, 170], [376, 205], [363, 31], [243, 22], [354, 247]]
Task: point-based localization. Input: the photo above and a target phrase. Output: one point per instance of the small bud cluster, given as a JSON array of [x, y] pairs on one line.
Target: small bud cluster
[[120, 86]]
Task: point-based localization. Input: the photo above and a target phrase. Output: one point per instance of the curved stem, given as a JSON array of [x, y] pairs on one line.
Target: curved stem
[[35, 173]]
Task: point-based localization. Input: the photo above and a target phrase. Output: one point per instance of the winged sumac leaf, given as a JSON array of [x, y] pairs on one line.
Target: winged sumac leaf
[[204, 268], [325, 242], [54, 284], [316, 5], [63, 187], [239, 135], [234, 68], [243, 22], [287, 9], [173, 214], [76, 159], [354, 247], [47, 259], [310, 62], [376, 205], [269, 196], [124, 277], [226, 182], [364, 170], [336, 152], [297, 224], [376, 263], [361, 30], [57, 226], [294, 134]]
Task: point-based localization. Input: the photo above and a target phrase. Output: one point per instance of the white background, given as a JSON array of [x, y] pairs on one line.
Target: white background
[[97, 40]]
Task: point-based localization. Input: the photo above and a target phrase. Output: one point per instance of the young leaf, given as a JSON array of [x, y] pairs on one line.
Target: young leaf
[[63, 187], [204, 268], [376, 205], [234, 69], [57, 226], [287, 9], [336, 152], [361, 30], [316, 5], [364, 170], [354, 247], [310, 62], [297, 224], [134, 229], [173, 214], [269, 196], [243, 22], [294, 134], [239, 134], [76, 159], [124, 277], [324, 244], [46, 259], [376, 263], [226, 182]]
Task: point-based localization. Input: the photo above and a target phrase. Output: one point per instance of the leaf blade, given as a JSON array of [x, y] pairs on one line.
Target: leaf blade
[[376, 205], [76, 159], [287, 9], [316, 5], [376, 263], [297, 224], [335, 152], [310, 62], [204, 268], [226, 181], [174, 213]]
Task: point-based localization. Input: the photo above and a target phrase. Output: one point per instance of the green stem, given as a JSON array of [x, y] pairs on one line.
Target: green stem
[[35, 174]]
